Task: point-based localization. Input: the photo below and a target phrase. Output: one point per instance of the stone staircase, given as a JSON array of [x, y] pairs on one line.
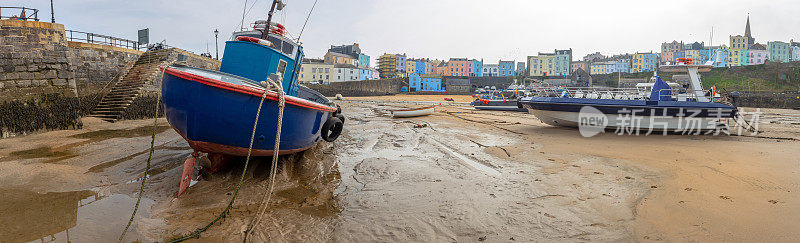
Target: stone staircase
[[143, 72]]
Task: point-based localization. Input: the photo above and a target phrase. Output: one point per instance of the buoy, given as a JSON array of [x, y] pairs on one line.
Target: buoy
[[254, 40]]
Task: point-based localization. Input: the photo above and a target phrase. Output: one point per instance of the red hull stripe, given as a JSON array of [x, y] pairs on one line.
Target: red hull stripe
[[291, 100], [208, 147]]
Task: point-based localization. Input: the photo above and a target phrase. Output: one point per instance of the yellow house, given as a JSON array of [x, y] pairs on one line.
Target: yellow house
[[411, 67], [601, 68], [541, 65], [316, 72], [339, 58]]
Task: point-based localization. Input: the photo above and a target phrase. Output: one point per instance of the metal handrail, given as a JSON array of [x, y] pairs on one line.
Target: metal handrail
[[22, 15], [86, 37]]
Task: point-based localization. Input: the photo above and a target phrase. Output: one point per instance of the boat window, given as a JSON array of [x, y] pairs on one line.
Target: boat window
[[288, 48], [276, 43]]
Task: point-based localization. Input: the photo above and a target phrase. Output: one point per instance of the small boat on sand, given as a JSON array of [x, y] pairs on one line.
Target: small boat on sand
[[498, 105], [498, 101], [215, 111], [424, 111]]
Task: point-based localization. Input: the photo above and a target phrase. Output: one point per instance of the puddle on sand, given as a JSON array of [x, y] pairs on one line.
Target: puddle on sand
[[56, 154], [78, 216], [121, 133]]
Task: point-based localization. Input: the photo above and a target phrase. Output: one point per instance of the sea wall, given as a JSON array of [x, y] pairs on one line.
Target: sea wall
[[498, 82], [34, 58], [96, 65], [769, 100], [362, 88]]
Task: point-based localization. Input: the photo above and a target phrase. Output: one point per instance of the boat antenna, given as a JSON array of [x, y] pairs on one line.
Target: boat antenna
[[304, 23], [244, 11], [280, 5]]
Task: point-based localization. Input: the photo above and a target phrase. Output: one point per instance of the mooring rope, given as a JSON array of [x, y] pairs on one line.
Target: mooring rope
[[149, 158], [225, 212], [275, 154]]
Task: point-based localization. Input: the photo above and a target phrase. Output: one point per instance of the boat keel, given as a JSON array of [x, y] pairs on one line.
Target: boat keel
[[186, 176]]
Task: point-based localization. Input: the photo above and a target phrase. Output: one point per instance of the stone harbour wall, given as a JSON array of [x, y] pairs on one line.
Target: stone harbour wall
[[362, 88], [95, 65], [34, 59]]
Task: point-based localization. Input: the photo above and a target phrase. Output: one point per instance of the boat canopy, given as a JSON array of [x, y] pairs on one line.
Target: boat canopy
[[661, 91]]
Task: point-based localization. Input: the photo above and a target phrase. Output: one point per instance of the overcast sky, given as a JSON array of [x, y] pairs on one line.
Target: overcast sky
[[492, 30]]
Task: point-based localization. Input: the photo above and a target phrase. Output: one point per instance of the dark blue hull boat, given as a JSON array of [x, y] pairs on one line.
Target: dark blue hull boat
[[215, 110], [216, 116]]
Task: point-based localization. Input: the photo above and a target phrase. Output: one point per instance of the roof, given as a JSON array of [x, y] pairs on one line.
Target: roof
[[312, 60], [338, 54], [757, 46], [431, 76], [457, 81], [344, 66]]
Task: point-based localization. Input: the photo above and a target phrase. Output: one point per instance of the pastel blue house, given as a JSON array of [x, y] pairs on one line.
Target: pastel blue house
[[400, 61], [364, 74], [363, 60], [478, 68], [720, 57], [622, 66], [506, 68], [419, 66], [425, 82]]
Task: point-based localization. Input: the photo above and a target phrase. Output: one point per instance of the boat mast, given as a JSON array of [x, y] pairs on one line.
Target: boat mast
[[269, 20], [244, 11]]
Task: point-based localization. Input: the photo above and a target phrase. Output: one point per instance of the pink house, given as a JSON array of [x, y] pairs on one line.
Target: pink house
[[376, 74], [574, 66], [757, 54], [459, 67]]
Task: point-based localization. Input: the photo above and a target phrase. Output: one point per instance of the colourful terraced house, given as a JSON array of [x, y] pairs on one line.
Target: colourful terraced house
[[506, 68], [738, 57], [778, 51], [644, 62]]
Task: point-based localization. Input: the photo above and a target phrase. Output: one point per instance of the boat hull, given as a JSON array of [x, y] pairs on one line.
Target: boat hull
[[630, 114], [413, 112], [497, 105], [217, 117]]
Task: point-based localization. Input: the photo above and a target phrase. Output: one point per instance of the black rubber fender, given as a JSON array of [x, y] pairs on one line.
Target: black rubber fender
[[332, 129], [341, 117], [519, 104]]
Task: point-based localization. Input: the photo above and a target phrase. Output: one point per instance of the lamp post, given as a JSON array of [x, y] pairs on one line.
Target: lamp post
[[52, 15], [216, 41]]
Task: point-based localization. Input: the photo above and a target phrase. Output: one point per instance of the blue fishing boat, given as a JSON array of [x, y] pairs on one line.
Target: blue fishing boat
[[663, 108], [215, 111]]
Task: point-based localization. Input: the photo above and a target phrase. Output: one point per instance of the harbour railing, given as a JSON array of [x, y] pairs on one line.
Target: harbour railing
[[19, 13], [86, 37]]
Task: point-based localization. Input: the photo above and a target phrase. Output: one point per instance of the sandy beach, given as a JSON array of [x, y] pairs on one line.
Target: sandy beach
[[467, 175]]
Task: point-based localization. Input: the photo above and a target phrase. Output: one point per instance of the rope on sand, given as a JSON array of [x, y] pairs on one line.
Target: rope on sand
[[149, 158], [226, 212], [273, 171]]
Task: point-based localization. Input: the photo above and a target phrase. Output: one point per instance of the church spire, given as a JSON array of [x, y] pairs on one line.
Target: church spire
[[747, 28]]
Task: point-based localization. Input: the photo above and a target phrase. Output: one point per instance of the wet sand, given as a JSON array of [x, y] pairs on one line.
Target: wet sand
[[468, 175]]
